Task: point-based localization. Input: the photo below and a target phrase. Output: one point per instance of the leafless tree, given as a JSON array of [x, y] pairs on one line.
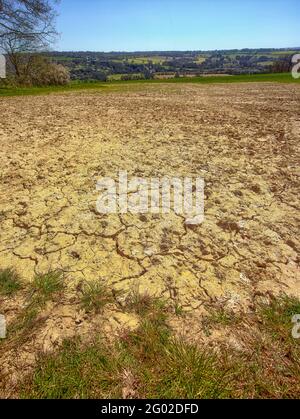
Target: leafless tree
[[19, 52], [28, 20]]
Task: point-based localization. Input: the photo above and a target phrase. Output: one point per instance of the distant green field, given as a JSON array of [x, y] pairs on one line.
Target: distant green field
[[118, 85], [118, 77], [275, 78], [25, 91], [155, 59], [201, 59], [284, 53]]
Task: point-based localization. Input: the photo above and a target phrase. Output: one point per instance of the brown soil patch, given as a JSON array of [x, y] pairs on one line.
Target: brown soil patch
[[242, 139]]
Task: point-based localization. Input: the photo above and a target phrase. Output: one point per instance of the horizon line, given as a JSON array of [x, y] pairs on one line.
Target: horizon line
[[178, 50]]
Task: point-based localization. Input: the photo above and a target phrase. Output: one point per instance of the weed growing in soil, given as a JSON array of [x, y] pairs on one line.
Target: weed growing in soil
[[44, 287], [143, 303], [9, 282], [95, 296]]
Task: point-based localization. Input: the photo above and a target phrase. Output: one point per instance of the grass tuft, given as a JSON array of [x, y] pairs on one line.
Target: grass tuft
[[223, 317], [280, 310], [144, 304], [9, 282], [76, 372], [191, 373], [44, 287], [95, 296]]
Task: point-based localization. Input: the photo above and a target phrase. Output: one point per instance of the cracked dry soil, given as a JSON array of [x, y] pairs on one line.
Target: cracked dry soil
[[242, 139]]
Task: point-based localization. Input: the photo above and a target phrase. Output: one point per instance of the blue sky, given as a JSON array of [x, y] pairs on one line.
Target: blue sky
[[148, 25]]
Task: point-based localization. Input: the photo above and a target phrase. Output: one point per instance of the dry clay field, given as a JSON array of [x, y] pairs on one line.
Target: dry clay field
[[242, 139]]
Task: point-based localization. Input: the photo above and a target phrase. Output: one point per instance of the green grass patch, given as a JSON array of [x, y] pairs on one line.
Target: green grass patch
[[28, 91], [191, 373], [95, 296], [254, 78], [222, 317], [76, 372], [277, 316], [159, 366], [178, 310], [272, 368], [117, 86], [22, 328], [10, 282], [144, 304], [150, 363], [44, 287]]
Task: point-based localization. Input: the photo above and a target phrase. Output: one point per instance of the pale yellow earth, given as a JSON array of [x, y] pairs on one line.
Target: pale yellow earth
[[242, 139]]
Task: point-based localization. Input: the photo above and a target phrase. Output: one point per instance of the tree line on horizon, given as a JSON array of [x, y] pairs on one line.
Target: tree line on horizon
[[27, 31]]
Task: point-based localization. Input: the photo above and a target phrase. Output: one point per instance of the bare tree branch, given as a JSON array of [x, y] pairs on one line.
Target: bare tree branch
[[28, 19]]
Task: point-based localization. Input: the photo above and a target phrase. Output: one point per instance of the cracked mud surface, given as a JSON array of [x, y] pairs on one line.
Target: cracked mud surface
[[242, 139]]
